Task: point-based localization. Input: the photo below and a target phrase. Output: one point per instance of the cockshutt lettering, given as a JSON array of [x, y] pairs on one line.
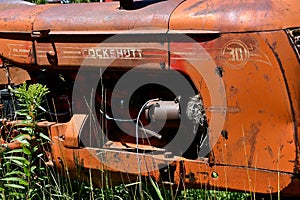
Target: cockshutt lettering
[[102, 53]]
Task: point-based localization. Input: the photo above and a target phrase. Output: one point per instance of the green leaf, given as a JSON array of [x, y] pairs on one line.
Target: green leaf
[[29, 193], [15, 173], [14, 151], [12, 179], [27, 129], [44, 136], [26, 150], [18, 163], [33, 168], [14, 186], [156, 189], [21, 137], [16, 158], [131, 184], [26, 171], [23, 182], [21, 113], [16, 195], [25, 142]]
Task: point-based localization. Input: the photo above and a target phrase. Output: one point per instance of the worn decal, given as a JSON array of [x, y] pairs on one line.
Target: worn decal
[[19, 50], [109, 53], [92, 53], [237, 53]]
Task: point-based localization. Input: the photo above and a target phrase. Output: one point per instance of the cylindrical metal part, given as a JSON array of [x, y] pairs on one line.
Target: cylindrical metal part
[[163, 110]]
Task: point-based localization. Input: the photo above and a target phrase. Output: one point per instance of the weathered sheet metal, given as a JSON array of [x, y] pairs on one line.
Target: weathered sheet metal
[[20, 19], [238, 55], [105, 17], [251, 119], [17, 76], [236, 16]]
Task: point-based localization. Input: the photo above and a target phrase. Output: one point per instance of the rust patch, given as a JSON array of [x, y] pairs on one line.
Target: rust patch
[[17, 76], [195, 5], [270, 151], [254, 130], [233, 91]]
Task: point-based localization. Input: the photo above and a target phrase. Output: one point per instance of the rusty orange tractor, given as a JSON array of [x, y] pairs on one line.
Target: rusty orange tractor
[[190, 92]]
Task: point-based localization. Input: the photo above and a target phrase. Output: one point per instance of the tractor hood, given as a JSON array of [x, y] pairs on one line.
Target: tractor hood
[[236, 16], [88, 17], [216, 15]]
